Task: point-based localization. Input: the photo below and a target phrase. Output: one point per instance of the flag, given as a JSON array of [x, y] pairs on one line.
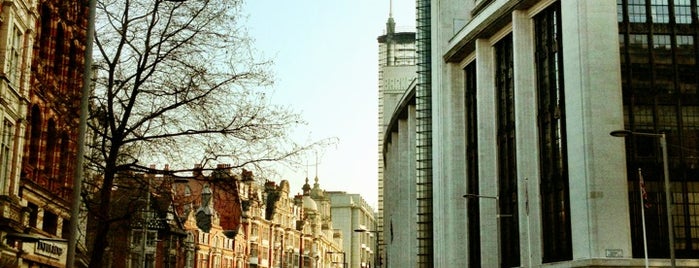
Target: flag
[[644, 193]]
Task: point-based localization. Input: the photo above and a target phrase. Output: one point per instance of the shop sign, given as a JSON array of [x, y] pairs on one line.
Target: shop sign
[[49, 249]]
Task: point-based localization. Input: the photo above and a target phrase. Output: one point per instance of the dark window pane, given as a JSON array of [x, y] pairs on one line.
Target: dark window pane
[[507, 170], [474, 246], [555, 203]]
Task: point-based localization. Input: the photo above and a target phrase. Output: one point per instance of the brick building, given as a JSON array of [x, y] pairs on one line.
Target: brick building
[[256, 224], [43, 46], [52, 117], [147, 231]]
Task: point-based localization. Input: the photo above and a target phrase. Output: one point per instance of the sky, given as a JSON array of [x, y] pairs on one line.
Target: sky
[[326, 68]]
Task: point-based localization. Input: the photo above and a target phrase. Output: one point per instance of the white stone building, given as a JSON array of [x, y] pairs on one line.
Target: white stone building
[[351, 213], [397, 72], [511, 122]]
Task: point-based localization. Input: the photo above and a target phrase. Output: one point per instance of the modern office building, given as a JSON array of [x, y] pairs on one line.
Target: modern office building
[[354, 217], [521, 98], [397, 71]]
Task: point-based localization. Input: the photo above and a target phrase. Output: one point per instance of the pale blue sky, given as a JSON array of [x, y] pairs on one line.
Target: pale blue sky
[[326, 68]]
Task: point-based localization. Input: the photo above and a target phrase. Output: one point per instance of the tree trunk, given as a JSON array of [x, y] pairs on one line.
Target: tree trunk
[[100, 242]]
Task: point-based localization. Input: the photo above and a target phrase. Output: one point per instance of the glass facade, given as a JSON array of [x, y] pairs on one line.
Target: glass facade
[[659, 82]]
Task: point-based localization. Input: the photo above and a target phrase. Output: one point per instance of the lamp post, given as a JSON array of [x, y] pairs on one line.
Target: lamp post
[[666, 174], [344, 262], [494, 197], [376, 244], [82, 129], [497, 211]]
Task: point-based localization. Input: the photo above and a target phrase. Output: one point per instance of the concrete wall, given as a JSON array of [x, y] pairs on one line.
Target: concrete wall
[[400, 199]]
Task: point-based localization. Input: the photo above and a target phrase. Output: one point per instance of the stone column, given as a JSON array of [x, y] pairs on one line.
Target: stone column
[[487, 153], [598, 186], [527, 138]]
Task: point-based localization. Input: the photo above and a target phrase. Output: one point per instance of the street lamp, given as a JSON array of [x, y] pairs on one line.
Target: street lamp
[[82, 129], [344, 262], [497, 211], [494, 197], [376, 244], [666, 173]]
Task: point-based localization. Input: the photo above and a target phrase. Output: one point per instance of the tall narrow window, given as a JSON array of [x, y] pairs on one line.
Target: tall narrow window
[[15, 57], [65, 228], [64, 173], [473, 211], [50, 154], [686, 65], [5, 155], [555, 196], [507, 169], [45, 30], [50, 223], [59, 52], [35, 138], [33, 214], [73, 78]]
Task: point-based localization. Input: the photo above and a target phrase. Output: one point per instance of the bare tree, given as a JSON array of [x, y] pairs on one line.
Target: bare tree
[[177, 82]]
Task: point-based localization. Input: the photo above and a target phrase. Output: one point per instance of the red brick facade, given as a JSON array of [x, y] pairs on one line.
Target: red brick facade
[[56, 82], [49, 151]]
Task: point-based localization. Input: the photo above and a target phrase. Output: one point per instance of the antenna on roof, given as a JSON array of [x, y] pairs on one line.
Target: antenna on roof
[[316, 166], [390, 8]]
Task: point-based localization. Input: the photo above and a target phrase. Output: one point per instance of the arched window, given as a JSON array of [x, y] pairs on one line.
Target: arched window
[[65, 157], [59, 53], [73, 79], [45, 30], [50, 155], [35, 137]]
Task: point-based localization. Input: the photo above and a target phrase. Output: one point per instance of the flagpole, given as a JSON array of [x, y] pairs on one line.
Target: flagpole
[[641, 189]]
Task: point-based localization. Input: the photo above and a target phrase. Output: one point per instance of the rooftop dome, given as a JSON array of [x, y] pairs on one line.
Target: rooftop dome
[[309, 204]]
